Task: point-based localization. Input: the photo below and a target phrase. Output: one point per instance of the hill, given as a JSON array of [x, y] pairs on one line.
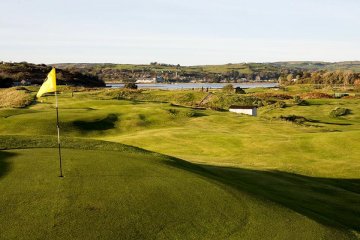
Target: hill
[[36, 74], [316, 66], [177, 73], [208, 73]]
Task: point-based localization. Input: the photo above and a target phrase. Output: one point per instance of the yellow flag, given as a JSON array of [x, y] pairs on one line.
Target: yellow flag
[[49, 85]]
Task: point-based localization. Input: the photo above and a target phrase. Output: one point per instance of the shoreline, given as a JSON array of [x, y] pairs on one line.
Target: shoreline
[[179, 86]]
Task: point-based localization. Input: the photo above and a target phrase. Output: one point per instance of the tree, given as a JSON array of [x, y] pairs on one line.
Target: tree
[[290, 77], [357, 84], [348, 77], [315, 78], [281, 80], [5, 82]]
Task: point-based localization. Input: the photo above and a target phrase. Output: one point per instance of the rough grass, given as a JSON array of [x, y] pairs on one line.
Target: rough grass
[[218, 100], [15, 98]]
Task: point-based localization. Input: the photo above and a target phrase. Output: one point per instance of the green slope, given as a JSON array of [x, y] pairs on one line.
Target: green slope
[[129, 193], [283, 181]]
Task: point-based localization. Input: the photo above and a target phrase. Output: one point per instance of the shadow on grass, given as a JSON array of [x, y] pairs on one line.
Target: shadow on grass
[[5, 165], [97, 125], [332, 202], [137, 102], [302, 120], [329, 123]]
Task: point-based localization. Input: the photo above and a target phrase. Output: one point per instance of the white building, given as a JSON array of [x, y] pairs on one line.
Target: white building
[[146, 80], [157, 79], [249, 110]]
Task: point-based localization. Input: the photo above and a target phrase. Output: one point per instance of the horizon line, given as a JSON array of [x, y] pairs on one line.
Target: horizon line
[[229, 63]]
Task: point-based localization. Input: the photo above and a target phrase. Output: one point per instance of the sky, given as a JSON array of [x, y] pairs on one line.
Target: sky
[[186, 32]]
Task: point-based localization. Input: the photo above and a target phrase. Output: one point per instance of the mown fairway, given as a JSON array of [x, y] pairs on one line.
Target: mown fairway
[[234, 177]]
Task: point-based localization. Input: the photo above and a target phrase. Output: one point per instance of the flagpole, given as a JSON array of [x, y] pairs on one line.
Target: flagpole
[[58, 133]]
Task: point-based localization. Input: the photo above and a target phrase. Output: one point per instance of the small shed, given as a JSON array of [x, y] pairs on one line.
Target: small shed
[[249, 110], [340, 95]]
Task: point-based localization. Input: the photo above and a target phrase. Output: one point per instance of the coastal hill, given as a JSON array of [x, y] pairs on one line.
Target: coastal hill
[[232, 72], [96, 74], [28, 73], [316, 66]]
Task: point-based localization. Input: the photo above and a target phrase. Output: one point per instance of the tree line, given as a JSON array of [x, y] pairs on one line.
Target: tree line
[[337, 77], [10, 73]]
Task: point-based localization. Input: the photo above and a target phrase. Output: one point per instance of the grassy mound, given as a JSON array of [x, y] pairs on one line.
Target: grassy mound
[[218, 100], [339, 111], [129, 193], [15, 97]]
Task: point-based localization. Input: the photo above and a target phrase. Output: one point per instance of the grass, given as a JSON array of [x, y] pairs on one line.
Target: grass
[[204, 174], [12, 97], [149, 196]]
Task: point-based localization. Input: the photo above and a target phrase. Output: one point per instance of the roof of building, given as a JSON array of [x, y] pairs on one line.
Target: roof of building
[[241, 107]]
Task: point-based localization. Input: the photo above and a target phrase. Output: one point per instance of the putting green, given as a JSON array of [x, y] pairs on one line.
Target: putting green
[[133, 194]]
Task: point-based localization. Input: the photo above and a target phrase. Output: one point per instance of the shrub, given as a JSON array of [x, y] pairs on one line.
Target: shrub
[[294, 119], [228, 88], [195, 114], [173, 111], [339, 111], [300, 101], [130, 85], [121, 93], [239, 90], [316, 95], [280, 104]]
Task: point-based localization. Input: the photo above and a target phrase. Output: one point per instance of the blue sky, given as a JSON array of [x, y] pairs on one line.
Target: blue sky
[[187, 32]]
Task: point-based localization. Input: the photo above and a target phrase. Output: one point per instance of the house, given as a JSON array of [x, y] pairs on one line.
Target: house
[[25, 83], [146, 80], [249, 110], [157, 79]]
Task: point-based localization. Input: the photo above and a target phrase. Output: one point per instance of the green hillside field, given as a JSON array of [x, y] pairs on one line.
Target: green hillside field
[[146, 168]]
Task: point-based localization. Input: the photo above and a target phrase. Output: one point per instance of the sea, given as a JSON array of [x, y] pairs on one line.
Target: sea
[[179, 86]]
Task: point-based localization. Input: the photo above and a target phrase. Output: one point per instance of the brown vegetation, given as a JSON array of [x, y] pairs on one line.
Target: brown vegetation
[[36, 74], [315, 95], [279, 96], [12, 97]]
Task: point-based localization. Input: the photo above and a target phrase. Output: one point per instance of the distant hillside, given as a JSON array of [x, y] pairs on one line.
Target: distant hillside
[[316, 66], [36, 74], [94, 74], [205, 73], [177, 73]]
